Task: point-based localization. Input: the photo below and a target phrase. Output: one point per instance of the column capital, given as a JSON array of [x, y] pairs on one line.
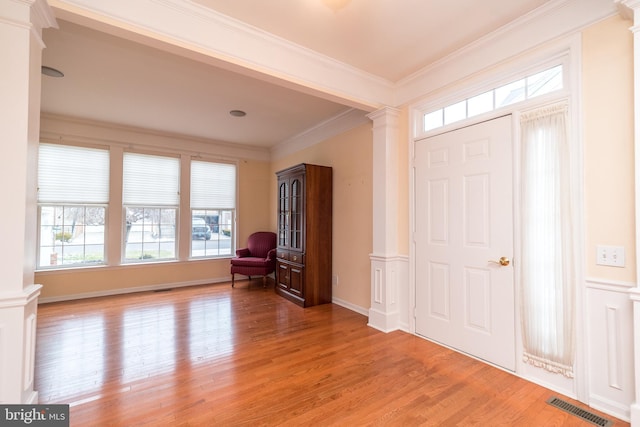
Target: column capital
[[36, 13], [384, 113], [627, 8], [42, 15]]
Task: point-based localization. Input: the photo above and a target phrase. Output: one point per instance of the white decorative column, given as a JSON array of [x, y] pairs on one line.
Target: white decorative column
[[21, 24], [631, 9], [385, 262]]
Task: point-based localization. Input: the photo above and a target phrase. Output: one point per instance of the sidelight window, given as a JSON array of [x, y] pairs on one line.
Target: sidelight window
[[549, 258]]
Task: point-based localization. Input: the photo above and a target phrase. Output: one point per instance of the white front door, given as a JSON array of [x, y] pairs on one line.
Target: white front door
[[464, 226]]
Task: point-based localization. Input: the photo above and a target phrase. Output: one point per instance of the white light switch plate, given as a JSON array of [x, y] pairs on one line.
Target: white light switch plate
[[610, 255]]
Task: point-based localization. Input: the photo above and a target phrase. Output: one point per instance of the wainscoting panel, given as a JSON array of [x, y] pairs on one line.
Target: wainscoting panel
[[610, 344]]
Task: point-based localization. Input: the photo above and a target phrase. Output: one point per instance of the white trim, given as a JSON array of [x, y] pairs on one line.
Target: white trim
[[353, 307], [234, 45], [630, 9], [77, 131], [609, 285], [610, 407], [334, 126], [558, 53], [555, 20], [193, 30], [561, 61], [567, 50], [166, 286], [22, 299], [626, 7], [122, 291]]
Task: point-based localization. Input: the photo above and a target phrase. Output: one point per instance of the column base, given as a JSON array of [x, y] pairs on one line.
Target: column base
[[18, 315], [385, 322], [389, 293]]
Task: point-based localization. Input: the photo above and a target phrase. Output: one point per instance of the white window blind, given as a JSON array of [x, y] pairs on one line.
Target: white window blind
[[213, 185], [68, 174], [150, 180]]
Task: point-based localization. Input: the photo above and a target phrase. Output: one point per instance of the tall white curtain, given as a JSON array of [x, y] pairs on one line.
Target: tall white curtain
[[548, 256]]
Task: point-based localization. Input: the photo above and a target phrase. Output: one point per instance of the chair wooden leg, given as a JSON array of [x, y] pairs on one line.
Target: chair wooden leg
[[233, 277], [264, 281]]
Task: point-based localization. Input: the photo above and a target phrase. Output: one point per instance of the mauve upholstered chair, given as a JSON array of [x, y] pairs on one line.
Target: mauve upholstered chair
[[257, 259]]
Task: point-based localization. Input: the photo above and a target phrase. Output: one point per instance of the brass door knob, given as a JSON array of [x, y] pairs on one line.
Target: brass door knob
[[503, 261]]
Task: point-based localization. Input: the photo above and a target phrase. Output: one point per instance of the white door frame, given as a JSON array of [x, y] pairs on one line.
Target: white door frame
[[569, 50]]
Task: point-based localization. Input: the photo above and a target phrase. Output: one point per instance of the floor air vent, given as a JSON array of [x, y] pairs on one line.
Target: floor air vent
[[579, 412]]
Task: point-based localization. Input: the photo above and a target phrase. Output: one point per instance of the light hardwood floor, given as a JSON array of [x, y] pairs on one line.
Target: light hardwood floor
[[217, 356]]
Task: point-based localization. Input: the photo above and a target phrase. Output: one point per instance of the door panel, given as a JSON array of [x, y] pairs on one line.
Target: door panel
[[464, 222]]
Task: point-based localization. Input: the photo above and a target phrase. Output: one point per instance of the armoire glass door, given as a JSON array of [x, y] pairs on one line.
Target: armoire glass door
[[283, 213], [296, 213]]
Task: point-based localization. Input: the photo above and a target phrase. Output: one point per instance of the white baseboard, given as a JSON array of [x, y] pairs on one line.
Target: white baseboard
[[352, 307], [635, 414], [615, 409], [121, 291]]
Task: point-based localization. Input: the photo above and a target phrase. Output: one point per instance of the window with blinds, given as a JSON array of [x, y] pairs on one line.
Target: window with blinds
[[213, 204], [74, 190], [150, 198], [73, 194]]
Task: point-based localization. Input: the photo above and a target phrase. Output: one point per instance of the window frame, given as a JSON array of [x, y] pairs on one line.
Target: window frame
[[224, 205], [56, 261], [420, 112], [155, 232], [61, 198], [162, 202]]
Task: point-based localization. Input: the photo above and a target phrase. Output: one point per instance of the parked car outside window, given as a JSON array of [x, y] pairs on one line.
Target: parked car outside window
[[200, 229]]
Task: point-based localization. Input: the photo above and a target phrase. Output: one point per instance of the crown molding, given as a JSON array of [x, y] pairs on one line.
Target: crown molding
[[33, 14], [334, 126], [42, 15], [75, 130], [627, 8], [231, 44], [556, 19]]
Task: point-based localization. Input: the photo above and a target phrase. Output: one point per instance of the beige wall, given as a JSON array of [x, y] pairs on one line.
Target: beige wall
[[98, 281], [254, 180], [255, 204], [609, 190], [351, 157], [608, 144], [403, 182], [253, 215]]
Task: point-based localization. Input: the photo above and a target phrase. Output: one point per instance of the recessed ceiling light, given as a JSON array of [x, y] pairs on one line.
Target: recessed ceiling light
[[237, 113], [51, 72]]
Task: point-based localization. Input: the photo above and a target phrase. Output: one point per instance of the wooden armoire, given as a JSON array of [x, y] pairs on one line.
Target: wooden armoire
[[303, 268]]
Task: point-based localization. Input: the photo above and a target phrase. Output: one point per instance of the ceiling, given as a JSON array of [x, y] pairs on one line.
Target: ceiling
[[114, 79]]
